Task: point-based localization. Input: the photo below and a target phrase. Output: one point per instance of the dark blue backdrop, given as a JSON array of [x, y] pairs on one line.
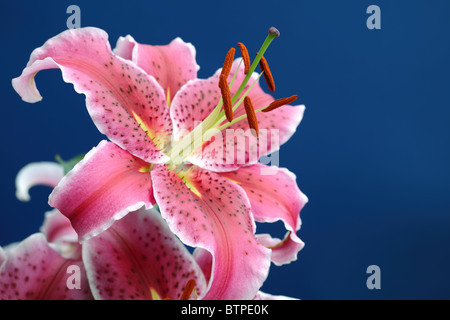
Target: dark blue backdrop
[[372, 153]]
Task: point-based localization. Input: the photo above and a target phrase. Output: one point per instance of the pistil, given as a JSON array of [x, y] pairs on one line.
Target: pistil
[[273, 33]]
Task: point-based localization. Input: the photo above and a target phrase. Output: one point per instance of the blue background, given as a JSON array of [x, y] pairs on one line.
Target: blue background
[[372, 152]]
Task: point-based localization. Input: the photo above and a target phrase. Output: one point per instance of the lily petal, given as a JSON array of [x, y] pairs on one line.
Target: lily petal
[[266, 296], [37, 173], [214, 214], [34, 270], [103, 187], [274, 195], [193, 103], [59, 231], [283, 251], [125, 103], [57, 227], [205, 261], [172, 65], [138, 257]]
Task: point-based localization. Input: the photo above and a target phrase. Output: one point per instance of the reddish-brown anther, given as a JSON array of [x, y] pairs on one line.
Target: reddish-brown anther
[[267, 74], [251, 116], [190, 286], [228, 62], [280, 102], [226, 97], [245, 57]]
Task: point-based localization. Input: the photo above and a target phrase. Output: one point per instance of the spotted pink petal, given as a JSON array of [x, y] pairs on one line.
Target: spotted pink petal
[[103, 187], [214, 214], [124, 102], [138, 257], [283, 250], [236, 146], [124, 47], [172, 65], [37, 173], [32, 270], [193, 103], [274, 195]]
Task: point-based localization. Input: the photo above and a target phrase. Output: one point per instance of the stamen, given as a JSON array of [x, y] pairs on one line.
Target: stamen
[[226, 97], [280, 102], [228, 62], [245, 57], [190, 286], [267, 74], [251, 116], [216, 118]]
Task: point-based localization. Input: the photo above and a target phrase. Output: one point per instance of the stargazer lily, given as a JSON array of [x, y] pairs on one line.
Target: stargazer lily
[[138, 257], [182, 143]]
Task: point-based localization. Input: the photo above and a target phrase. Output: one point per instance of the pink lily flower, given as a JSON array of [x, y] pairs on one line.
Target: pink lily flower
[[147, 101], [36, 268], [138, 257]]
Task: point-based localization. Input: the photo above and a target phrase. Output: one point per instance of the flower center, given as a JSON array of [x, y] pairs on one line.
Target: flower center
[[221, 116]]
